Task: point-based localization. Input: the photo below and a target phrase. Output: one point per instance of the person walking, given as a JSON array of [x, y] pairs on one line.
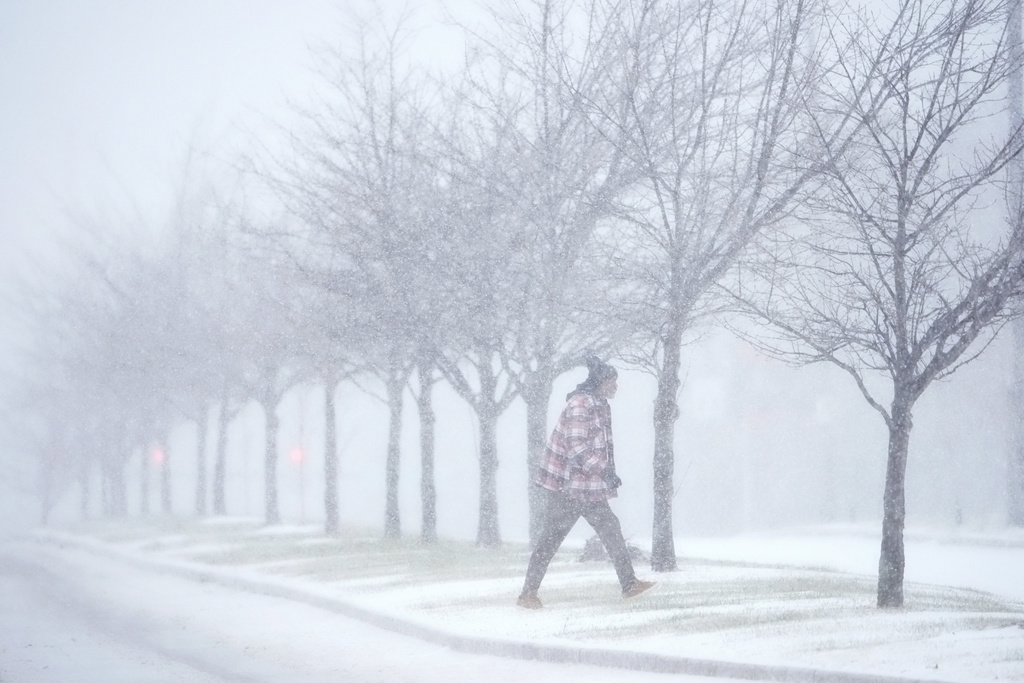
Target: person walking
[[578, 475]]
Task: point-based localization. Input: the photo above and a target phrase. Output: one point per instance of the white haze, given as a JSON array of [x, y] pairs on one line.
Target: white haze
[[103, 99]]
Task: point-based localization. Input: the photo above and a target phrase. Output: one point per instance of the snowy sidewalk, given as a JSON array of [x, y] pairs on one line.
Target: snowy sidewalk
[[734, 608]]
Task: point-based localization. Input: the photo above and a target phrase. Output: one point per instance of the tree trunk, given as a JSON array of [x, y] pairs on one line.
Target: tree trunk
[[428, 489], [273, 514], [392, 517], [46, 486], [165, 482], [488, 534], [201, 427], [663, 548], [536, 396], [83, 479], [892, 560], [144, 483], [1015, 457], [104, 490], [332, 526], [219, 504], [117, 487], [1015, 465], [1015, 94]]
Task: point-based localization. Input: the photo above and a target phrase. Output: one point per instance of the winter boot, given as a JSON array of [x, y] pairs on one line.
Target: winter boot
[[636, 588]]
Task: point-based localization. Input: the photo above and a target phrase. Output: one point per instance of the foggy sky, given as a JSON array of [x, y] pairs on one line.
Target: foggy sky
[[101, 100]]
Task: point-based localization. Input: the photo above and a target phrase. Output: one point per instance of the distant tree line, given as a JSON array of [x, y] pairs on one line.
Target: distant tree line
[[601, 177]]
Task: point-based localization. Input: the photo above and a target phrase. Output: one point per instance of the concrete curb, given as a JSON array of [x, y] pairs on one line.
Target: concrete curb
[[479, 645]]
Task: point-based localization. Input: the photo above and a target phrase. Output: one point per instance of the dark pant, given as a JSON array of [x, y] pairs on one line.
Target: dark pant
[[562, 514]]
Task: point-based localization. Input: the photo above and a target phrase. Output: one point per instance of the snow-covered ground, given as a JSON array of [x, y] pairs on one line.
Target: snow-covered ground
[[86, 619], [784, 606]]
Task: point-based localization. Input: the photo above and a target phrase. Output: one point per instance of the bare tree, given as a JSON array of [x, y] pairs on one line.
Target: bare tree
[[550, 77], [356, 182], [478, 262], [716, 126], [893, 277], [101, 324], [1015, 195], [265, 322], [230, 346], [192, 314]]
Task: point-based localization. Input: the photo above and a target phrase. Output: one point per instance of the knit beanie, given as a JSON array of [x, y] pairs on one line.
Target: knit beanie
[[598, 372]]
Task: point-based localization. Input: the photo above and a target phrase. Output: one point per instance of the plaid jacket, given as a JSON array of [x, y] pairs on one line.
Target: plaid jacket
[[580, 450]]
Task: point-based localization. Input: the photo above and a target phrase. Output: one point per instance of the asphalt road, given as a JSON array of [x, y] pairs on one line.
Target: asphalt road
[[53, 630]]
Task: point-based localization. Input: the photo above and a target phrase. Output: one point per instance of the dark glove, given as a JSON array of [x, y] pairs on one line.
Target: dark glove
[[612, 479]]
